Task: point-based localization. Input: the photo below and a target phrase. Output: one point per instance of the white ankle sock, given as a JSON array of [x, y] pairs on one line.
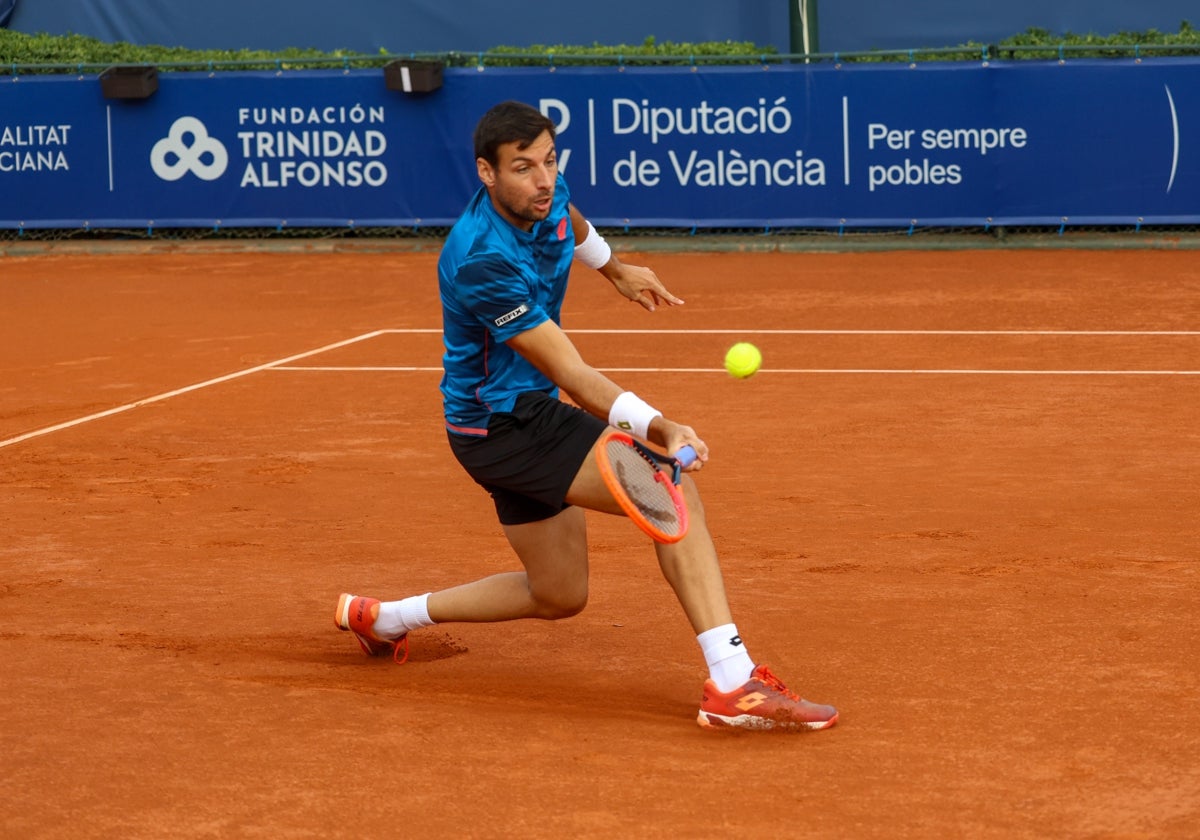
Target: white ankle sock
[[729, 665], [399, 617]]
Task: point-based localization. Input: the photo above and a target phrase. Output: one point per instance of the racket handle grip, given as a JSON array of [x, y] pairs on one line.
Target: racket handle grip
[[686, 455]]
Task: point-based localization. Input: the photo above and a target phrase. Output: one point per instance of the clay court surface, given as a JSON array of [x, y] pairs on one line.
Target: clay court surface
[[959, 502]]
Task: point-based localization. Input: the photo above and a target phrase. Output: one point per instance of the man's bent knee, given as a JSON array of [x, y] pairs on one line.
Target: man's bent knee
[[560, 605]]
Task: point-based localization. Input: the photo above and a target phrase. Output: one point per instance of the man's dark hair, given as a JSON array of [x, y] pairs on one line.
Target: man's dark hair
[[509, 122]]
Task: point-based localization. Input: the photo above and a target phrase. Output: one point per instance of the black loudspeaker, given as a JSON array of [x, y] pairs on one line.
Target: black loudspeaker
[[129, 82], [413, 76]]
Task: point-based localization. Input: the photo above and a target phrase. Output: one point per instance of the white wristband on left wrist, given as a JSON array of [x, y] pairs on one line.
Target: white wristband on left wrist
[[593, 251]]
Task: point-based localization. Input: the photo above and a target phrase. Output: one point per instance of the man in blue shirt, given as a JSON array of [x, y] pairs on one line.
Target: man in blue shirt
[[502, 277]]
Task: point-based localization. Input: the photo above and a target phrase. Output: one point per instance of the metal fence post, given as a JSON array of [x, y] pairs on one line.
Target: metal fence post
[[802, 18]]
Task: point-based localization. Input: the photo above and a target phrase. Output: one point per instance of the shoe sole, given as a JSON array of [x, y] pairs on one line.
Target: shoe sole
[[341, 616], [709, 720]]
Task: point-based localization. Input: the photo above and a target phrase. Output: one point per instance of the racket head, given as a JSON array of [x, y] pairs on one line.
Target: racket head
[[642, 487]]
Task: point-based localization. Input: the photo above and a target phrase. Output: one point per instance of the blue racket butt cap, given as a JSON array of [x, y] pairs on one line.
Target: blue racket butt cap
[[686, 455]]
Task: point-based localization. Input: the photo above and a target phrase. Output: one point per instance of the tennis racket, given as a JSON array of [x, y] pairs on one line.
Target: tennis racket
[[646, 484]]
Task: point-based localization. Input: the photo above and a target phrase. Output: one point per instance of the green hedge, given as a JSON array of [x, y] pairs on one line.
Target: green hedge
[[49, 53], [62, 53], [1184, 42], [41, 53]]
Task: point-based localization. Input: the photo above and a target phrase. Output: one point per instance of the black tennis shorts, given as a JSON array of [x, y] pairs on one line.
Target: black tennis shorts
[[529, 457]]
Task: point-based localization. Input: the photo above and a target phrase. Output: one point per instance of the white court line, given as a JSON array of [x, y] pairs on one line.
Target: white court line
[[283, 364], [987, 372], [160, 397], [844, 332], [364, 368], [890, 332], [972, 372]]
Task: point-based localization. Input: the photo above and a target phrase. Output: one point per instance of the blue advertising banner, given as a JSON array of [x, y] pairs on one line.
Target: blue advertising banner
[[938, 144]]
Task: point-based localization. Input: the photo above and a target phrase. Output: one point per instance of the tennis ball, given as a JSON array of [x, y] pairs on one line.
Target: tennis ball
[[743, 360]]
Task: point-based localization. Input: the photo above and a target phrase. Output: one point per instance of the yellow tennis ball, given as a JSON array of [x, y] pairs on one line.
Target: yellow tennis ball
[[743, 360]]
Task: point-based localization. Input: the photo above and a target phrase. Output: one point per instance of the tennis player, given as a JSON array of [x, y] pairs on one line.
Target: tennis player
[[503, 275]]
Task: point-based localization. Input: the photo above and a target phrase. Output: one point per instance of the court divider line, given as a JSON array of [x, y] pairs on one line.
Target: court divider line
[[284, 363], [973, 372], [877, 332], [569, 330], [178, 391]]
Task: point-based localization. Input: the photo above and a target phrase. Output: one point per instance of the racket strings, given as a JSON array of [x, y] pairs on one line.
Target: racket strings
[[645, 487]]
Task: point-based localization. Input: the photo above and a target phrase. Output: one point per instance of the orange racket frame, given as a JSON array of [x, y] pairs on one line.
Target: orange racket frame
[[646, 471]]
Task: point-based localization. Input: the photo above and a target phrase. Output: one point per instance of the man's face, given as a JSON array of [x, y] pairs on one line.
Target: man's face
[[521, 185]]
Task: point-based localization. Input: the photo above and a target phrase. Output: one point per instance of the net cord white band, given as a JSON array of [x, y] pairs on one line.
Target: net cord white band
[[631, 414], [593, 251]]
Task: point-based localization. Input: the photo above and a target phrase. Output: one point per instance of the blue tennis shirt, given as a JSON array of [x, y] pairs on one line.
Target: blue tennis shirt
[[497, 281]]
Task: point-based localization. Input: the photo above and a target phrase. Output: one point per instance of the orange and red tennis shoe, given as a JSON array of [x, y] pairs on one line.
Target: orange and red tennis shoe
[[357, 614], [762, 702]]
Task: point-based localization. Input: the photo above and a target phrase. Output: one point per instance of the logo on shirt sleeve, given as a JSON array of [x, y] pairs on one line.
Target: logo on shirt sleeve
[[511, 316]]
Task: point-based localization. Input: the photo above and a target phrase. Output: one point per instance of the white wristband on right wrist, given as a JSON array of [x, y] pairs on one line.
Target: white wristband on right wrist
[[631, 414]]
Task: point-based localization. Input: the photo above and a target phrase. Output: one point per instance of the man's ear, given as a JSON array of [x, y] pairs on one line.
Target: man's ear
[[486, 173]]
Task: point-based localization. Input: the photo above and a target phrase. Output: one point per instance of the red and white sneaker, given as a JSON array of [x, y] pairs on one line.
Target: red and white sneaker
[[357, 614], [762, 702]]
